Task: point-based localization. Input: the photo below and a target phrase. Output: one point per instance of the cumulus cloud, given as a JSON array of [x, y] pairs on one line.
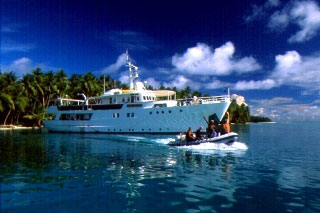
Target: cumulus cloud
[[152, 82], [291, 69], [182, 82], [201, 60], [250, 85], [215, 84], [121, 61]]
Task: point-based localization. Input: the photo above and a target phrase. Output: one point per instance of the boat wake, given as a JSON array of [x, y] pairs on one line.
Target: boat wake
[[235, 146]]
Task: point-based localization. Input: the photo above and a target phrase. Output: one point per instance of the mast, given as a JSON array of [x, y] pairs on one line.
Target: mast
[[104, 84], [133, 71]]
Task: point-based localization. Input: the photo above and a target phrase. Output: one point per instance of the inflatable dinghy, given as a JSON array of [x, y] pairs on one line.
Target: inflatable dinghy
[[226, 139]]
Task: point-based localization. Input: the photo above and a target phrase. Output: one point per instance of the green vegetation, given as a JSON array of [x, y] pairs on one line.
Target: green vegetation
[[256, 119], [239, 114], [24, 101]]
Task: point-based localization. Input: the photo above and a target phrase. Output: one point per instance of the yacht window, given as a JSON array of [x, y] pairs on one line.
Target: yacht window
[[128, 100], [138, 98], [132, 114], [144, 97], [128, 114], [123, 100]]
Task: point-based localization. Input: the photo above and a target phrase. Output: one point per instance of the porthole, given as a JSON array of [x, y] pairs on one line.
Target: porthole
[[169, 111], [149, 129], [162, 112], [142, 129], [157, 112], [150, 113], [128, 114], [115, 130], [160, 129], [180, 110]]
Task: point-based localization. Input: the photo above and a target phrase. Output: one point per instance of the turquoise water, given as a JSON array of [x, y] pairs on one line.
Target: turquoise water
[[278, 172]]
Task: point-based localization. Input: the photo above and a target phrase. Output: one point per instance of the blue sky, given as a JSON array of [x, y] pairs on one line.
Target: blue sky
[[267, 51]]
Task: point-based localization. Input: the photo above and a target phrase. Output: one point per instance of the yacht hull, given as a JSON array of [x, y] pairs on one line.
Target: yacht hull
[[130, 120]]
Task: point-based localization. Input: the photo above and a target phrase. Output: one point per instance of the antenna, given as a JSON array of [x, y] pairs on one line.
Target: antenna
[[104, 84], [133, 70]]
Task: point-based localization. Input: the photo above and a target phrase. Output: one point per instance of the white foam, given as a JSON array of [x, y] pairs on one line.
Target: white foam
[[217, 146], [163, 140]]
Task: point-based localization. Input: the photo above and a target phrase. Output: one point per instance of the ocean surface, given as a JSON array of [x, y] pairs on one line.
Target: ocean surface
[[275, 167]]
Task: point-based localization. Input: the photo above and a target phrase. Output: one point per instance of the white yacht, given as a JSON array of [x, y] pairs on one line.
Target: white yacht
[[136, 110]]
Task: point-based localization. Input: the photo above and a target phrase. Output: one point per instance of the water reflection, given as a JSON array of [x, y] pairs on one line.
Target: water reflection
[[115, 173]]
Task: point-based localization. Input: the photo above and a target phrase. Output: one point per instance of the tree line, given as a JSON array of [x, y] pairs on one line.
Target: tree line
[[24, 100]]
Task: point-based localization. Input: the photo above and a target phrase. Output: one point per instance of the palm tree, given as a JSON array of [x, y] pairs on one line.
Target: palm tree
[[61, 82]]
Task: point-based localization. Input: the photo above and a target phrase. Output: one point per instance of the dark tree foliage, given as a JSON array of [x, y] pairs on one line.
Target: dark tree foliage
[[239, 114], [256, 119], [24, 101]]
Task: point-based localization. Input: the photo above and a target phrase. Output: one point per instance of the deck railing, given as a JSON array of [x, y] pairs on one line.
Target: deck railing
[[203, 100]]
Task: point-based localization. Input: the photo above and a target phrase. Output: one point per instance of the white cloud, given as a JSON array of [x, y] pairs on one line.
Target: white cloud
[[19, 66], [200, 60], [124, 78], [290, 69], [151, 81], [250, 85], [285, 109], [24, 65], [262, 10], [304, 14], [279, 20], [121, 61], [215, 84], [10, 46], [182, 82]]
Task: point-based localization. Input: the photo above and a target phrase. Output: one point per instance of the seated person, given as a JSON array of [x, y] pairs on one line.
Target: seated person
[[211, 131], [189, 135], [225, 127], [198, 133]]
